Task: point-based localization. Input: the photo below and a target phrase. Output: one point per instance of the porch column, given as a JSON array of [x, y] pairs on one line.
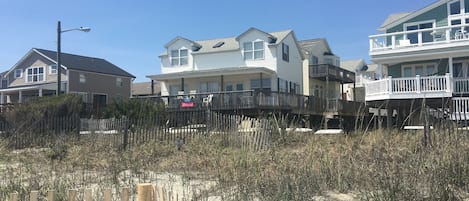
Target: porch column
[[222, 84], [182, 84], [20, 97], [152, 87], [260, 78], [2, 98], [450, 66], [40, 92]]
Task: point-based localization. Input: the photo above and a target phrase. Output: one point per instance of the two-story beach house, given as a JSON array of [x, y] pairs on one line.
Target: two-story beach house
[[253, 72], [97, 80], [423, 55]]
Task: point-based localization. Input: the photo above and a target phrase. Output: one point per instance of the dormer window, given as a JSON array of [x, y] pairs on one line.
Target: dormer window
[[179, 57], [253, 50]]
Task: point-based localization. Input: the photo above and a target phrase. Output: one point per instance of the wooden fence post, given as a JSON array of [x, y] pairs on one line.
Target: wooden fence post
[[14, 196], [125, 194], [145, 192], [33, 195], [50, 195], [72, 195], [88, 195], [107, 194]]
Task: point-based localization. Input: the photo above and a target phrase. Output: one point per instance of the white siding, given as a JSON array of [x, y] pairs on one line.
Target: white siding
[[292, 70], [219, 60]]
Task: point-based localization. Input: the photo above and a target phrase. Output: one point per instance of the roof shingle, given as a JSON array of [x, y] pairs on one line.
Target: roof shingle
[[83, 63]]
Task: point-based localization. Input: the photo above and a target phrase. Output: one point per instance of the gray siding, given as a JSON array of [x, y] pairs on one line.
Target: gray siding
[[100, 84], [37, 61]]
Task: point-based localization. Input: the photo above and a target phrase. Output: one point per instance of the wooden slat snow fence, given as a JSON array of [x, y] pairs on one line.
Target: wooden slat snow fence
[[235, 130]]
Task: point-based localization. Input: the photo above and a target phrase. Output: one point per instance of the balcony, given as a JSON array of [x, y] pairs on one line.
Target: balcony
[[250, 99], [423, 39], [331, 72], [409, 88]]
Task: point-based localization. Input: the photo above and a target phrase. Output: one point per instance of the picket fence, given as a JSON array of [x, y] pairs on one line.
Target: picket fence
[[178, 128]]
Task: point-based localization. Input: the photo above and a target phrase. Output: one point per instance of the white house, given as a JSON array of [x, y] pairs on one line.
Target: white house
[[253, 60]]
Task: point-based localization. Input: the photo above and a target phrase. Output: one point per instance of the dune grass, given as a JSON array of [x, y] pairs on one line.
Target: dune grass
[[372, 166]]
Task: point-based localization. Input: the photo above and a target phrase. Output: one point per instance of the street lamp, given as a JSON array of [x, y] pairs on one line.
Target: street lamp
[[59, 32]]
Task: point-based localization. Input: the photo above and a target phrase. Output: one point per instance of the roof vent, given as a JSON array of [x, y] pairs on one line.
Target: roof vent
[[219, 44]]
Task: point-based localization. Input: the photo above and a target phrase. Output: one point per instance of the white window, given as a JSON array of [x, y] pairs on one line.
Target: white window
[[454, 7], [282, 84], [82, 78], [209, 87], [119, 82], [53, 69], [419, 69], [256, 84], [253, 50], [179, 57], [35, 74], [414, 36], [18, 73]]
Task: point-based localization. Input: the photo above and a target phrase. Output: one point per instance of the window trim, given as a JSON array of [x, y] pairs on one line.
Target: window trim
[[119, 82], [254, 50], [461, 8], [50, 69], [424, 65], [285, 55], [179, 57], [21, 73], [80, 79], [32, 76], [418, 23]]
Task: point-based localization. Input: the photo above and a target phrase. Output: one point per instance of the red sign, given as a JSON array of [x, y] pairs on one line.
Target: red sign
[[187, 104]]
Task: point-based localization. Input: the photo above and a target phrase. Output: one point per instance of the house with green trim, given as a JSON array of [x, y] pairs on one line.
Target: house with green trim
[[423, 59]]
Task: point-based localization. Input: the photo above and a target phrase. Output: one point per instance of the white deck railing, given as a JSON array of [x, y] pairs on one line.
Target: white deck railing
[[422, 37], [411, 87]]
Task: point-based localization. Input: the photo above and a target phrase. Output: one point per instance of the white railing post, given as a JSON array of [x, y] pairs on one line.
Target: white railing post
[[390, 85], [371, 44], [447, 34], [420, 40], [449, 83], [393, 41], [417, 82]]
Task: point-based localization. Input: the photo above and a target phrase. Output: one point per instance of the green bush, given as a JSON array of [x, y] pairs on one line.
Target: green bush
[[134, 109]]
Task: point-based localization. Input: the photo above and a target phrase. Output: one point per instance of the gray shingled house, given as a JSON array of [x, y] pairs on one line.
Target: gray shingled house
[[97, 80]]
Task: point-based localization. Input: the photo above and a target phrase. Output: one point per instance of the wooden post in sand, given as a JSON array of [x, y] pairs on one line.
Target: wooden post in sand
[[145, 192]]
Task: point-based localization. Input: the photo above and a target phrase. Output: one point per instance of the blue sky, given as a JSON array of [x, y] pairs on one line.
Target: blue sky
[[131, 34]]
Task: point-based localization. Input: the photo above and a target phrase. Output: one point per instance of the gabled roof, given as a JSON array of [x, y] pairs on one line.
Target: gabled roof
[[395, 19], [82, 63], [308, 45], [181, 38], [255, 29], [354, 65], [229, 43]]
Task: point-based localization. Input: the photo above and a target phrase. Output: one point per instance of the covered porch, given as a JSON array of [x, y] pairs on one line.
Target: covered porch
[[236, 79], [22, 94]]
